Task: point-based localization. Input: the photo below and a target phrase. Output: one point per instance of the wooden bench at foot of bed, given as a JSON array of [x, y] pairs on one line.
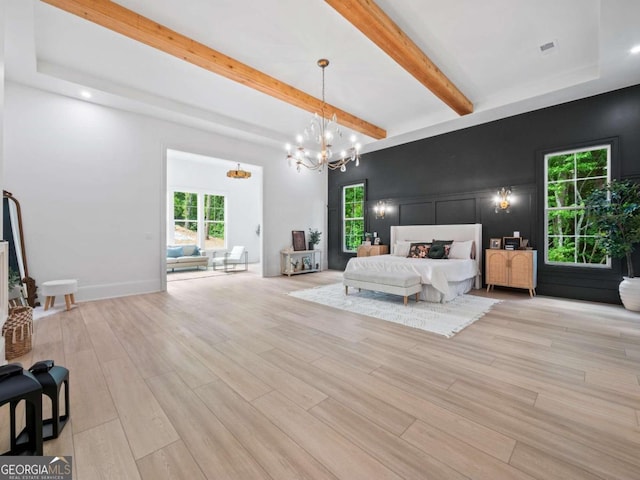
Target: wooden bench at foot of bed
[[396, 283]]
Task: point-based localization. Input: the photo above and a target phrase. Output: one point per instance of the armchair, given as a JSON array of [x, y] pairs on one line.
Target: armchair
[[237, 256]]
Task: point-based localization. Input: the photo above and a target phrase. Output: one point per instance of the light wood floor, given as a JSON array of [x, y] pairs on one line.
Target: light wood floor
[[227, 377]]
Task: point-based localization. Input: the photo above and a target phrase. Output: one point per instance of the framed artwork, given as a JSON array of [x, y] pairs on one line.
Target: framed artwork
[[511, 243], [495, 243], [306, 263], [298, 240]]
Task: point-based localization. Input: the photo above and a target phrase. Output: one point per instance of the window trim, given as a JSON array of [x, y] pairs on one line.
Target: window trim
[[609, 145], [342, 212]]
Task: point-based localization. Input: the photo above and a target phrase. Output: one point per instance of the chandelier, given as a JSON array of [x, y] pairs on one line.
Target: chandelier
[[238, 173], [319, 145]]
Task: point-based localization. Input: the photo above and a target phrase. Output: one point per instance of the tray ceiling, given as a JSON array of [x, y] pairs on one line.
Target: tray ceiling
[[490, 50]]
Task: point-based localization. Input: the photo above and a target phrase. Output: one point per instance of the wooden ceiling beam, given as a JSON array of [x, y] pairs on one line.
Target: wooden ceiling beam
[[367, 17], [130, 24]]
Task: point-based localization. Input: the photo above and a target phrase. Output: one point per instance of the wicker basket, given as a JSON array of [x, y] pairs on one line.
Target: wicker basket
[[17, 332]]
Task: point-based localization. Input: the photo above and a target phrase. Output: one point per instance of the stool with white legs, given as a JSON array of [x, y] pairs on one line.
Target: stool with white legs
[[68, 288]]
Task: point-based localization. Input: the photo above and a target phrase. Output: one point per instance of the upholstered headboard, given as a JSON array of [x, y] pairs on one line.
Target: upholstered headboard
[[458, 233]]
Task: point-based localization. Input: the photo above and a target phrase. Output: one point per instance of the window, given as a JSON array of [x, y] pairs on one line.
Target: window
[[570, 176], [352, 216], [185, 218], [214, 221], [199, 219]]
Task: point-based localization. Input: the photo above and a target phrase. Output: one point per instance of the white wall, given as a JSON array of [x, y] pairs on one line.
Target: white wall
[[91, 182], [187, 172], [4, 280]]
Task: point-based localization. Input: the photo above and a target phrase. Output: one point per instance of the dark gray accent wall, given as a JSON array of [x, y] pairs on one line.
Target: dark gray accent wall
[[452, 178]]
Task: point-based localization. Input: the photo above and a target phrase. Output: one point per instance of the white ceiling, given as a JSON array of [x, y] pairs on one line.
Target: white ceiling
[[489, 49]]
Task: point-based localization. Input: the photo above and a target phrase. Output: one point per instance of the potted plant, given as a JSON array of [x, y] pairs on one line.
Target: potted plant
[[15, 286], [314, 238], [615, 212]]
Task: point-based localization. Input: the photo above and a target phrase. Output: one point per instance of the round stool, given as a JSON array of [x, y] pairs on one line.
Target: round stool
[[68, 288]]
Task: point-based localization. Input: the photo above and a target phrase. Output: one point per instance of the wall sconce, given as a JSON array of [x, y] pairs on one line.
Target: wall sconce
[[503, 200], [380, 209]]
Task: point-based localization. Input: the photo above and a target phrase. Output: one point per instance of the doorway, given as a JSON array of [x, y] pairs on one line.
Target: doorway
[[209, 209]]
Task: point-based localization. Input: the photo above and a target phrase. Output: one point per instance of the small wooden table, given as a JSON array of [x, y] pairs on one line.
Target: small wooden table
[[372, 250]]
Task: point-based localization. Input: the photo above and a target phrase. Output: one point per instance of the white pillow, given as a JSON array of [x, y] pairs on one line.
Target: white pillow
[[462, 250], [401, 248]]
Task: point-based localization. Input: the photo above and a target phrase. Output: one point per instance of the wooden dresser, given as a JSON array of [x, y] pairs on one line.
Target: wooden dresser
[[372, 250], [512, 268]]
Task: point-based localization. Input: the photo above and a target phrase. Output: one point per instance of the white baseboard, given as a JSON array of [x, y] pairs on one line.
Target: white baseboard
[[121, 289]]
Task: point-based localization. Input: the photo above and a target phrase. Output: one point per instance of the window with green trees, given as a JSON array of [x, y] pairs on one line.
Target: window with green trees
[[185, 218], [352, 216], [570, 176], [214, 221], [196, 212]]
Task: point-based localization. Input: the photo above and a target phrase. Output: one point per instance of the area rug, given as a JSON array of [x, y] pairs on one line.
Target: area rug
[[442, 318]]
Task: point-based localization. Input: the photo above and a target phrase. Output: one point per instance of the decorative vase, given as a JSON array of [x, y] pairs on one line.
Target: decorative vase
[[311, 246], [629, 290]]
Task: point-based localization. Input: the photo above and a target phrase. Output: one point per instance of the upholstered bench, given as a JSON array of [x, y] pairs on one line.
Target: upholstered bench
[[396, 283]]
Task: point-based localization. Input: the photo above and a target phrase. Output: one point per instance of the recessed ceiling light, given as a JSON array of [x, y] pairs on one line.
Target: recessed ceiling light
[[85, 94], [635, 49]]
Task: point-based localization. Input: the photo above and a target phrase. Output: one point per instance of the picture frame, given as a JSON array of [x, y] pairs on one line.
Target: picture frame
[[298, 239], [306, 262], [376, 241], [511, 243], [495, 243]]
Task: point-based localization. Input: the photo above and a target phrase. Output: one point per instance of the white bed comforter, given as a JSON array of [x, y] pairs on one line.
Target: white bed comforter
[[436, 273]]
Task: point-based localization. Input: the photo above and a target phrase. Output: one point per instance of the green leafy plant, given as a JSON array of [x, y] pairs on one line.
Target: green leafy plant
[[14, 279], [314, 236], [615, 212]]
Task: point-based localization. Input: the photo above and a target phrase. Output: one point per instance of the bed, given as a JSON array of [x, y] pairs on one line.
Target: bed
[[442, 280]]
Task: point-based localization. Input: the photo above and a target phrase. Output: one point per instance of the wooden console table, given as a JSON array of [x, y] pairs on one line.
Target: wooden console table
[[301, 261]]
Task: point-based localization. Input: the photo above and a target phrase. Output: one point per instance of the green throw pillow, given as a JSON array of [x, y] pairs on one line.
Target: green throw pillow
[[446, 244], [437, 251]]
